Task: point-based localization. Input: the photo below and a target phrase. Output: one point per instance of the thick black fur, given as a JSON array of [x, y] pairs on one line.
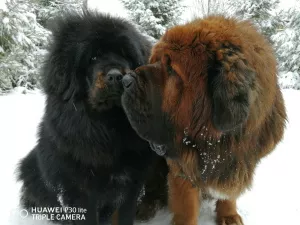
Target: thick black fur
[[87, 154]]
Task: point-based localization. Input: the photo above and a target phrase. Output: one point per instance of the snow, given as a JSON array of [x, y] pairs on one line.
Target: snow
[[3, 5], [289, 80], [287, 4], [274, 198]]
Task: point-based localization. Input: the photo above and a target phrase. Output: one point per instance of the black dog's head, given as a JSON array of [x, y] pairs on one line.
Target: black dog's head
[[104, 76], [88, 57]]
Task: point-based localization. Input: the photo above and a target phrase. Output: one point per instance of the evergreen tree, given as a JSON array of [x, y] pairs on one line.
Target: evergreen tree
[[22, 45], [201, 8], [154, 16], [287, 46], [23, 39], [260, 12], [49, 9]]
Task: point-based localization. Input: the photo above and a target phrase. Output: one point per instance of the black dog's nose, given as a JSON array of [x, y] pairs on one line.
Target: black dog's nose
[[114, 76], [127, 81]]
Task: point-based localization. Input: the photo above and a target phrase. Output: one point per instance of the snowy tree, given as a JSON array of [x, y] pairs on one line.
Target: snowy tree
[[287, 46], [22, 45], [154, 16], [24, 39], [282, 29], [49, 9], [260, 12], [208, 7]]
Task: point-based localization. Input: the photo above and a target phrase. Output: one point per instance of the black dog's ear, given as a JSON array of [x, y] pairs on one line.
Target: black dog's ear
[[62, 71], [76, 72], [138, 51], [145, 48], [230, 83]]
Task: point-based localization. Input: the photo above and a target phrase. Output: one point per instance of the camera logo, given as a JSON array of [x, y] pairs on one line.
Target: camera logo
[[24, 213]]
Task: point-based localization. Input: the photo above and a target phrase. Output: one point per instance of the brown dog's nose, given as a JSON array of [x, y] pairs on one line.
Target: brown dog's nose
[[127, 81]]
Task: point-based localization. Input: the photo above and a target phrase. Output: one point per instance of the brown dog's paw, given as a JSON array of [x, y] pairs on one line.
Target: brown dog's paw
[[230, 220]]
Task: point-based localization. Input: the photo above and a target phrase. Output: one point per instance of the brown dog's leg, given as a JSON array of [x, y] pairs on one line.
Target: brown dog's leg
[[114, 218], [227, 214], [183, 201]]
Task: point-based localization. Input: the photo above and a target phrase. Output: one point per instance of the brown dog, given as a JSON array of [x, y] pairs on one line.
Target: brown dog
[[210, 102]]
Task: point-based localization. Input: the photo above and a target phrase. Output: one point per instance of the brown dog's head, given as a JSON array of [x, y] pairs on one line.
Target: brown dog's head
[[204, 77]]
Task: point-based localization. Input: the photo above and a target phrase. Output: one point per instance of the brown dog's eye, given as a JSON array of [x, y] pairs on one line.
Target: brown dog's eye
[[167, 62], [170, 70]]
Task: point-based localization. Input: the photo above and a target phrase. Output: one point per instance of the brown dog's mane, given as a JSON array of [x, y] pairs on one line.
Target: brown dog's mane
[[198, 51]]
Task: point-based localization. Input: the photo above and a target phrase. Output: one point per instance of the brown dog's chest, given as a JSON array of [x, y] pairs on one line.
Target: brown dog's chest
[[218, 167]]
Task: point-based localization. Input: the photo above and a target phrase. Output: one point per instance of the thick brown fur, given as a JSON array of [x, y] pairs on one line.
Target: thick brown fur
[[210, 100]]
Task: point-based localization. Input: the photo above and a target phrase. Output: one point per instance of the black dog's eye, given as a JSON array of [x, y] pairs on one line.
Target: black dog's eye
[[94, 58]]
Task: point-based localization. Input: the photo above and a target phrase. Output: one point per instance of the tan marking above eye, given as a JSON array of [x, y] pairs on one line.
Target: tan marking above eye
[[100, 83]]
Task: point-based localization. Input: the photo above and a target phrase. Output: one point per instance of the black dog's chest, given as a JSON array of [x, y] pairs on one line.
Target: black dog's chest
[[107, 180]]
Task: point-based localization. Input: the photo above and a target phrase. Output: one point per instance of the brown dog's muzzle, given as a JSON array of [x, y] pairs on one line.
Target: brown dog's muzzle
[[147, 73], [129, 80]]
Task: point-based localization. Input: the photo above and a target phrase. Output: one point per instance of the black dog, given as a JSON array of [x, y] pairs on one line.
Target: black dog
[[88, 155]]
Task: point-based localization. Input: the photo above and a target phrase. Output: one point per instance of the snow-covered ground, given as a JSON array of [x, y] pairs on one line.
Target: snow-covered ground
[[274, 198]]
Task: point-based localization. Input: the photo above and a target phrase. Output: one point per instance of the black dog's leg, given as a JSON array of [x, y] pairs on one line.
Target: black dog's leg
[[105, 215], [88, 204], [127, 211], [91, 212]]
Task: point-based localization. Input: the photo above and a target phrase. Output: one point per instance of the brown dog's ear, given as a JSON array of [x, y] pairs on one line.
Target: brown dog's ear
[[230, 83]]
